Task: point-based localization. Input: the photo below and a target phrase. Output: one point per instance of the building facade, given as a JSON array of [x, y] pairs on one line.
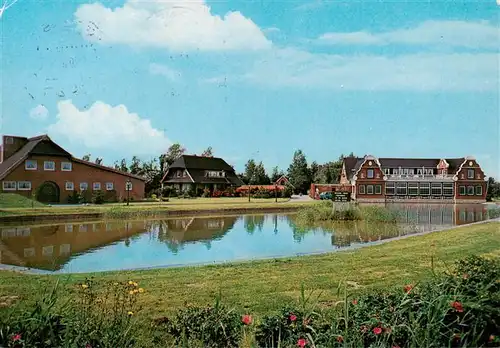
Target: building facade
[[39, 168], [380, 180], [197, 173]]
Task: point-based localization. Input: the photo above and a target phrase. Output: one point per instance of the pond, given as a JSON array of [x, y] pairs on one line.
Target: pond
[[91, 246]]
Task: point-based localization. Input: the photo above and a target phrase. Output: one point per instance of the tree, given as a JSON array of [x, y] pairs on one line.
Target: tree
[[260, 175], [98, 160], [135, 166], [153, 174], [298, 172], [86, 157], [208, 152], [493, 189], [174, 152], [276, 174], [250, 177]]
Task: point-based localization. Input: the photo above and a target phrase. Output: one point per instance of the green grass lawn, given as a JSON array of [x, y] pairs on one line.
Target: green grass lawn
[[261, 286], [16, 205]]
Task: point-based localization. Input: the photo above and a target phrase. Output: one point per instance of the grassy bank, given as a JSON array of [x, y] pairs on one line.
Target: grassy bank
[[265, 285], [121, 210]]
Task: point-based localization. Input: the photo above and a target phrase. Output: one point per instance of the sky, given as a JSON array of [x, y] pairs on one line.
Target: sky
[[255, 79]]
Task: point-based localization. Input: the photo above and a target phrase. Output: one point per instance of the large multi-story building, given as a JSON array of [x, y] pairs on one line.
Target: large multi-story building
[[377, 180], [37, 167]]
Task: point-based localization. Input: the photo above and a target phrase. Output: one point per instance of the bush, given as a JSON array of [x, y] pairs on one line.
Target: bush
[[287, 192], [211, 326], [98, 197], [74, 198], [110, 196]]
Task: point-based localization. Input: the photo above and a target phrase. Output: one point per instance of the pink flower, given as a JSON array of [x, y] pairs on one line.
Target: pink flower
[[377, 330], [457, 306], [293, 317], [16, 337], [340, 339], [246, 319], [408, 288], [302, 342], [355, 302]]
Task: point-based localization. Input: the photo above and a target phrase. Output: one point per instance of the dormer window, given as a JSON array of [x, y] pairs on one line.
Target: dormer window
[[184, 173], [31, 165]]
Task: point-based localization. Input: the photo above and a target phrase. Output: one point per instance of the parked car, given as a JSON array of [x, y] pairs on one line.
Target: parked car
[[326, 195]]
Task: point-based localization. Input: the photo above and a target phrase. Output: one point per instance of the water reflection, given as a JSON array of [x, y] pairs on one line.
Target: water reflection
[[110, 245]]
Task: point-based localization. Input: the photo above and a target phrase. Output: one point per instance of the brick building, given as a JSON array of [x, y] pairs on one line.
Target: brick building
[[39, 167], [457, 180]]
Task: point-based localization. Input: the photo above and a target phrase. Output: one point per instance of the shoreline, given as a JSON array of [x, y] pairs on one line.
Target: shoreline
[[166, 212]]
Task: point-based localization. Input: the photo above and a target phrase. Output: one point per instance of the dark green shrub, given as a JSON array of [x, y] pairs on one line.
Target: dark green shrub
[[74, 198], [212, 326], [98, 197]]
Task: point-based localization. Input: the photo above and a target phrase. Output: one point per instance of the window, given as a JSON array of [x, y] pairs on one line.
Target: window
[[387, 171], [184, 173], [395, 171], [413, 188], [128, 186], [361, 189], [49, 165], [378, 189], [83, 186], [405, 171], [436, 189], [369, 189], [69, 186], [30, 165], [479, 190], [390, 188], [179, 173], [424, 189], [66, 166], [420, 171], [9, 185], [9, 140], [24, 185], [96, 186], [401, 189], [448, 189], [109, 186], [470, 174], [411, 171], [370, 174], [470, 190], [462, 190]]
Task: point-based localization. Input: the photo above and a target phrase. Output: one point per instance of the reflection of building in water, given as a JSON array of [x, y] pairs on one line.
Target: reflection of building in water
[[177, 232], [51, 246], [413, 219]]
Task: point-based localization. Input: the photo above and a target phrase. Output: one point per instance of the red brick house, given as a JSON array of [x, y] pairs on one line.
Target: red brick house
[[38, 166], [457, 180]]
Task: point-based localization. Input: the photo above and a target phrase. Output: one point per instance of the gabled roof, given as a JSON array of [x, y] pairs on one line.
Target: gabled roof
[[200, 162], [36, 146]]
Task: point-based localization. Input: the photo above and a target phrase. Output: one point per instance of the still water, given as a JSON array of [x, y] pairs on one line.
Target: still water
[[113, 245]]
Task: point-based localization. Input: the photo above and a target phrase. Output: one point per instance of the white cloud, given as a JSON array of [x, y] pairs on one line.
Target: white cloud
[[420, 72], [39, 112], [169, 73], [480, 34], [177, 25], [103, 126]]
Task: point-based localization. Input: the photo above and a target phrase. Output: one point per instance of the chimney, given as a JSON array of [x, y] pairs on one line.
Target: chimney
[[12, 144]]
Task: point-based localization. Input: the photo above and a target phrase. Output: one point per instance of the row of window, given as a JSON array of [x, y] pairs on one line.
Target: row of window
[[409, 171], [69, 186], [370, 189], [420, 189], [48, 165], [215, 174]]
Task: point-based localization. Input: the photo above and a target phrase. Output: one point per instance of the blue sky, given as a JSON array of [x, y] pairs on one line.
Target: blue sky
[[255, 79]]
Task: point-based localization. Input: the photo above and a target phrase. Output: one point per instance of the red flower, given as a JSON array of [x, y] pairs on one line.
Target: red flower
[[457, 306], [302, 342], [492, 338], [340, 339], [377, 330], [16, 337], [408, 288], [246, 319], [355, 302], [293, 317]]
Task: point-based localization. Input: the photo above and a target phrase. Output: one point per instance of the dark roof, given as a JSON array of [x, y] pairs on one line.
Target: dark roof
[[39, 145], [13, 161], [199, 162], [199, 177], [352, 164]]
